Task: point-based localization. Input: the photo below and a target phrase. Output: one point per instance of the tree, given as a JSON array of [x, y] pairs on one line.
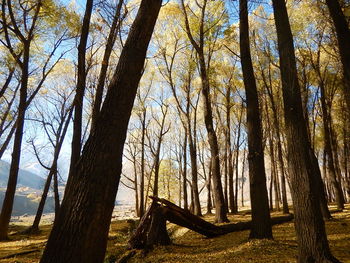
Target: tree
[[21, 24], [343, 36], [261, 226], [303, 166], [220, 211], [80, 89], [54, 117], [80, 232]]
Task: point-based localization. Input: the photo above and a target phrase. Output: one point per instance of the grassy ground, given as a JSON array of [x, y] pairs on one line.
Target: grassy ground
[[190, 247]]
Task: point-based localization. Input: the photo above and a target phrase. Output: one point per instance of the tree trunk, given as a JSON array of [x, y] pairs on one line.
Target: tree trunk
[[142, 179], [56, 193], [104, 64], [339, 197], [343, 36], [7, 205], [80, 232], [194, 172], [80, 90], [184, 172], [310, 228], [261, 225]]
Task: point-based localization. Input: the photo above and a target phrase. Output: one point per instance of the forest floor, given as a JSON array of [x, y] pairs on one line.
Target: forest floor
[[190, 247]]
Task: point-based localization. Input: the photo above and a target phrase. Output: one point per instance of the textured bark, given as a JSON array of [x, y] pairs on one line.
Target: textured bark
[[309, 225], [80, 232], [343, 36], [261, 226]]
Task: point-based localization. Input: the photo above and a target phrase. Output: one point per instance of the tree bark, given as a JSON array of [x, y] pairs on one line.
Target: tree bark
[[261, 225], [80, 90], [310, 228], [80, 232], [343, 36], [7, 205]]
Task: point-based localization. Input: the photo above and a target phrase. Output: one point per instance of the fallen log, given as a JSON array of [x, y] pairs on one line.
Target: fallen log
[[152, 227]]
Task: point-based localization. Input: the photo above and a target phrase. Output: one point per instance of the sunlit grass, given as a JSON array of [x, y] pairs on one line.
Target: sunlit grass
[[190, 247]]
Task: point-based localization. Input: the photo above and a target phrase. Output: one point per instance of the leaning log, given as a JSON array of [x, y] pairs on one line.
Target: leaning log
[[152, 227]]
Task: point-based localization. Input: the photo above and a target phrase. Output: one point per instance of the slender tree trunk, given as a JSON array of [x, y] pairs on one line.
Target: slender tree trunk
[[237, 158], [220, 211], [261, 225], [35, 226], [184, 172], [7, 205], [194, 172], [339, 197], [343, 36], [209, 202], [80, 232], [310, 228], [243, 168], [142, 179], [80, 90], [56, 193], [104, 64]]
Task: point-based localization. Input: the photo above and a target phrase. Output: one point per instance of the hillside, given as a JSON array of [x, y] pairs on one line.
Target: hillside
[[25, 178], [28, 191]]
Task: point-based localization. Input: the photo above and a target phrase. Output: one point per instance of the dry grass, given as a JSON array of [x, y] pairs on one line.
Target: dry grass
[[190, 247]]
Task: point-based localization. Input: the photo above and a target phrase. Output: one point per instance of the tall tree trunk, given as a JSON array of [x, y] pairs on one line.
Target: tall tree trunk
[[303, 167], [243, 168], [80, 232], [261, 225], [220, 211], [343, 36], [7, 205], [104, 64], [339, 197], [142, 179], [194, 172], [80, 90], [184, 172], [209, 202], [237, 157], [56, 194]]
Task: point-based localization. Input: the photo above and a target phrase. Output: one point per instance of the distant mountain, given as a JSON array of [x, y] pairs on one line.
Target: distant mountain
[[25, 178], [28, 192]]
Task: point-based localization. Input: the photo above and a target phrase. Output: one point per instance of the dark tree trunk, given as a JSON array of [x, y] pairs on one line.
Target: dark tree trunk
[[261, 225], [7, 205], [80, 90], [105, 61], [339, 197], [343, 36], [220, 211], [184, 172], [303, 167], [238, 143], [142, 179], [243, 168], [80, 232], [209, 202], [56, 194], [194, 172]]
